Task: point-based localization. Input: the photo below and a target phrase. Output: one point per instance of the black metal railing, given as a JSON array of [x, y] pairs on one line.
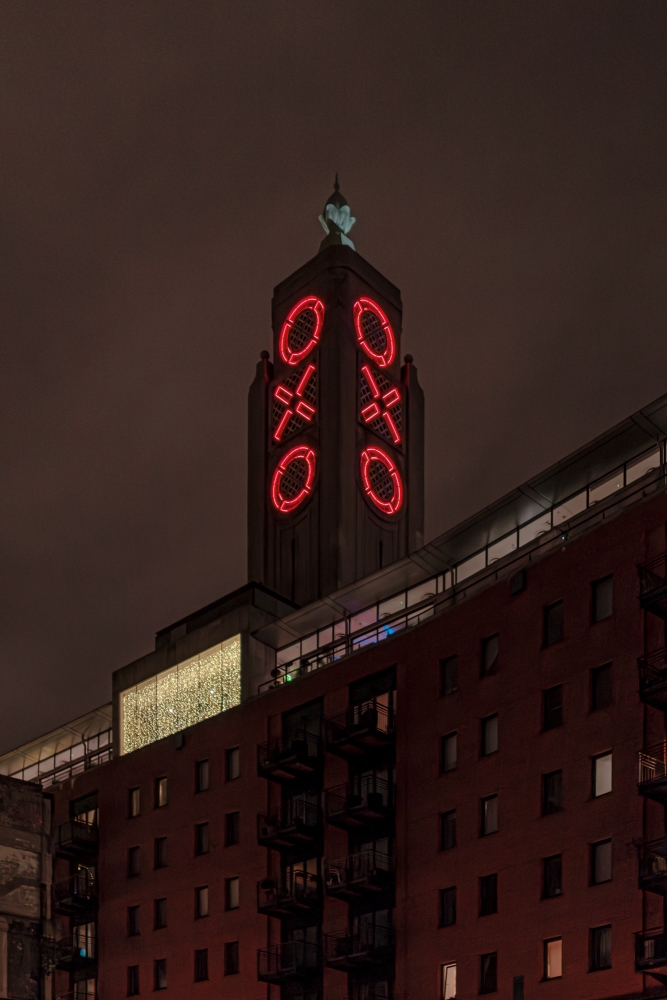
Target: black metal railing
[[368, 947], [364, 727], [368, 801], [291, 960], [299, 821], [653, 866], [652, 778], [367, 872], [653, 678], [78, 893], [650, 949], [287, 759], [76, 838], [298, 892], [76, 952]]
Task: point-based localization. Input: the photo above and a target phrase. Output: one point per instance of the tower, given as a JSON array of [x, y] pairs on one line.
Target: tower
[[336, 427]]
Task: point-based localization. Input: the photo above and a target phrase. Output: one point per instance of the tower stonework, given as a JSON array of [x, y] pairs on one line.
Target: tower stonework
[[336, 431]]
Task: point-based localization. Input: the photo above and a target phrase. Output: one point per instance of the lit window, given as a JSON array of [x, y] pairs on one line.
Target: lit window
[[553, 958], [201, 776], [553, 623], [601, 862], [160, 974], [490, 655], [449, 981], [601, 774], [448, 752], [160, 793], [233, 764], [232, 893], [600, 948], [489, 735], [603, 598], [160, 852], [135, 801], [489, 815], [201, 901]]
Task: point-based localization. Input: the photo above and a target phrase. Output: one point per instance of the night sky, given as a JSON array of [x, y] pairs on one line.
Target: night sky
[[162, 167]]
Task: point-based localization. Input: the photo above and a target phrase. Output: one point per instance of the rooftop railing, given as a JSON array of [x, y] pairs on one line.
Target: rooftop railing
[[65, 764]]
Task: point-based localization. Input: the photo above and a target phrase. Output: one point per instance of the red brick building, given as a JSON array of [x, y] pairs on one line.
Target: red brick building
[[440, 773]]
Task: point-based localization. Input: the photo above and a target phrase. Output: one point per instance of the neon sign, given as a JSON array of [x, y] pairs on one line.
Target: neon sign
[[374, 332], [293, 478], [381, 480], [301, 330], [378, 413], [289, 394]]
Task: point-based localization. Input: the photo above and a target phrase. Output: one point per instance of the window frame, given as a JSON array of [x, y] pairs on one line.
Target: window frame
[[449, 664], [202, 775], [443, 827], [595, 673], [593, 940], [483, 831], [488, 895], [133, 981], [547, 941], [546, 811], [232, 950], [199, 889], [493, 668], [448, 894], [161, 792], [545, 697], [545, 863], [232, 753], [159, 913], [484, 724], [134, 802], [159, 853], [159, 966], [593, 850], [202, 836], [491, 987], [228, 893], [547, 640], [594, 776], [133, 869], [232, 828], [449, 739], [133, 920], [201, 966], [609, 578]]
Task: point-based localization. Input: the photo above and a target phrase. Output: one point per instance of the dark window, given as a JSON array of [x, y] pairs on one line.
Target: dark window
[[552, 883], [135, 802], [489, 815], [201, 901], [201, 965], [489, 655], [160, 792], [448, 752], [233, 764], [489, 735], [132, 980], [553, 623], [517, 988], [601, 688], [601, 947], [160, 974], [231, 893], [201, 838], [231, 829], [488, 895], [370, 688], [160, 852], [601, 862], [160, 914], [552, 707], [133, 866], [603, 598], [448, 906], [552, 792], [132, 920], [448, 830], [449, 675], [304, 719], [231, 958], [201, 776], [488, 973]]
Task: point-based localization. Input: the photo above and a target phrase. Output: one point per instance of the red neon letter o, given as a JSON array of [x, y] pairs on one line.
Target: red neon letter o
[[303, 483], [388, 505], [383, 357], [309, 335]]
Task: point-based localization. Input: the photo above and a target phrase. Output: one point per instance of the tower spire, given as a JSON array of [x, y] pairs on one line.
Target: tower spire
[[336, 220]]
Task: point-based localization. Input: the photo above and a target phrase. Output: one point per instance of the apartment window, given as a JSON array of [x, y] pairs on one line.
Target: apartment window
[[553, 958], [552, 881], [135, 801], [517, 988], [160, 974], [201, 901], [201, 838], [133, 980], [489, 815], [600, 948], [133, 867], [489, 735], [603, 598], [601, 862], [449, 981], [552, 707], [132, 920], [552, 792], [232, 828], [201, 965], [553, 623], [601, 687], [448, 830], [488, 895], [201, 775], [448, 752], [448, 906], [231, 958], [231, 893], [160, 852], [233, 764], [488, 973], [489, 655], [601, 774], [160, 793], [160, 912], [449, 675]]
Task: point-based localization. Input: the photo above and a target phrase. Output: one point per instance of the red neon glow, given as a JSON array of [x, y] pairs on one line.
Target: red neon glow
[[287, 353], [385, 358], [304, 380], [302, 453], [283, 394], [305, 410], [393, 429], [373, 454], [280, 429], [370, 412], [372, 384], [391, 398]]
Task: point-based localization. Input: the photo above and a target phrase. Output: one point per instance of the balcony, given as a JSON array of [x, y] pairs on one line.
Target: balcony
[[77, 955], [370, 950], [291, 961], [76, 896], [298, 825], [362, 875], [76, 841], [287, 761], [300, 895], [653, 773], [363, 729], [650, 950], [367, 804], [653, 866], [653, 586], [653, 679]]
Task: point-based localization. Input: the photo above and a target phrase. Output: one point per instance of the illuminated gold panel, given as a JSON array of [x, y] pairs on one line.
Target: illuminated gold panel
[[196, 689]]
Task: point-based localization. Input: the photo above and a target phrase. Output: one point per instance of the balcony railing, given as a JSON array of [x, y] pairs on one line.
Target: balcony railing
[[288, 962], [76, 840], [653, 586], [298, 824], [368, 803], [653, 772], [650, 949], [368, 950], [76, 955], [365, 874], [363, 728], [653, 866], [653, 679], [300, 894], [287, 760], [75, 895], [86, 995]]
